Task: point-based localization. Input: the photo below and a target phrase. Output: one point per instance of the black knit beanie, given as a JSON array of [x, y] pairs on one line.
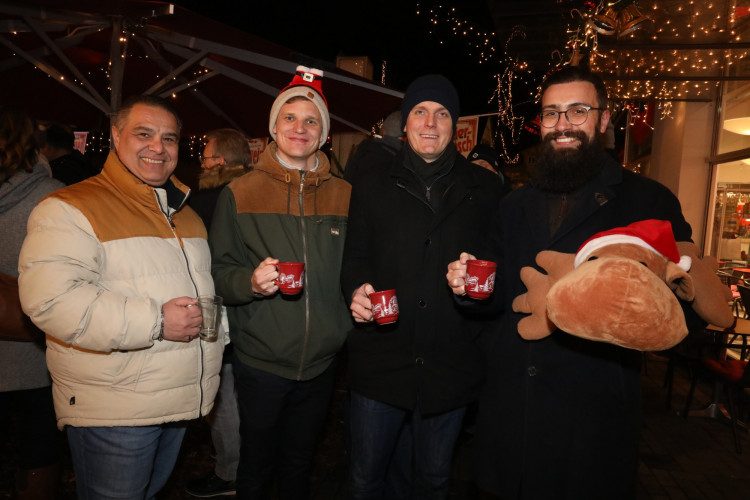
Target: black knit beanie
[[436, 88], [487, 153]]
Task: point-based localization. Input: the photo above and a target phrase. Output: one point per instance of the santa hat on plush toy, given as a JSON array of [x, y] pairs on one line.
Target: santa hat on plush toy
[[308, 83], [655, 235]]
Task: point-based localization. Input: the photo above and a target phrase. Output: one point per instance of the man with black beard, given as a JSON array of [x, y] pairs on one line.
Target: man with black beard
[[559, 417], [565, 170]]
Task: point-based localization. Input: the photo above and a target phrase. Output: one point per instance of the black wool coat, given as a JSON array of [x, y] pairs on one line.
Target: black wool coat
[[395, 240], [560, 417]]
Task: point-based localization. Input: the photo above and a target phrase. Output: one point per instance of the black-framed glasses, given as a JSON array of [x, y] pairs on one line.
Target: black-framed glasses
[[577, 115], [204, 158]]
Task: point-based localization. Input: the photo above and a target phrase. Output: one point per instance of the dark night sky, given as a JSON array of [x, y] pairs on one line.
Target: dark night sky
[[383, 30]]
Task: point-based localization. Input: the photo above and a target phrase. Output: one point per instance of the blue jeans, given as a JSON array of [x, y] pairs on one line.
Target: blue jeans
[[123, 462], [398, 454]]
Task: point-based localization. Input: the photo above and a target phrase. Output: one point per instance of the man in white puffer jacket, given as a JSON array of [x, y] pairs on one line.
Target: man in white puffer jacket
[[110, 271]]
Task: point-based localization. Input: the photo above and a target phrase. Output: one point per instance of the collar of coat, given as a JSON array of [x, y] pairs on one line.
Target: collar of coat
[[270, 165], [219, 176], [464, 172], [119, 175]]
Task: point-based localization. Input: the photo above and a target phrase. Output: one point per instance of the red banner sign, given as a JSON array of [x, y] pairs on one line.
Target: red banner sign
[[467, 129]]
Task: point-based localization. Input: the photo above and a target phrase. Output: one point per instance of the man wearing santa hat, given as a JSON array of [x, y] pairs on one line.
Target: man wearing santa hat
[[289, 208], [560, 417]]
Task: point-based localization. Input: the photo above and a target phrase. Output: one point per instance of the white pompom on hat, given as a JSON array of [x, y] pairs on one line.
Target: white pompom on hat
[[655, 235], [308, 83]]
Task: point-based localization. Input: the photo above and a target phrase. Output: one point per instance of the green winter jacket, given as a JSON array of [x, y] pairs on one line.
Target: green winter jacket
[[292, 216]]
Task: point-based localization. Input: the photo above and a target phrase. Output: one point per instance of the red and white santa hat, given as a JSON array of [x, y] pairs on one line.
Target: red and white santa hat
[[655, 235], [308, 83]]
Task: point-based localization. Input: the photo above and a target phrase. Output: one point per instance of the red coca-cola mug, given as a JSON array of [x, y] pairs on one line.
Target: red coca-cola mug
[[480, 278], [291, 277], [384, 306]]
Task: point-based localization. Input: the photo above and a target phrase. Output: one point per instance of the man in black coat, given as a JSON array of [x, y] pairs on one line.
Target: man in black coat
[[560, 417], [411, 381]]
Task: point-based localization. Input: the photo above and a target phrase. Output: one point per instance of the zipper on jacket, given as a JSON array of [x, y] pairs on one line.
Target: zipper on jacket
[[173, 228], [184, 253], [400, 184], [303, 230], [427, 200]]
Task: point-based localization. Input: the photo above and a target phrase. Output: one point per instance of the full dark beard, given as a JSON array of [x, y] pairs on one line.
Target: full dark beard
[[566, 170]]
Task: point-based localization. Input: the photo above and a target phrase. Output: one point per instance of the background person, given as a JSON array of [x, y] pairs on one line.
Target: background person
[[66, 162], [25, 385], [225, 157], [411, 381], [377, 150], [109, 271], [290, 209], [485, 156]]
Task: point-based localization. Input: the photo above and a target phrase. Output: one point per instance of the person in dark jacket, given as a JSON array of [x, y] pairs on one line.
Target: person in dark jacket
[[485, 156], [289, 208], [378, 149], [560, 417], [411, 381], [225, 157], [67, 163]]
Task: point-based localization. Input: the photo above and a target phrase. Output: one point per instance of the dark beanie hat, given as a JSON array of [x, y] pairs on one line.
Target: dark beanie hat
[[487, 153], [436, 88]]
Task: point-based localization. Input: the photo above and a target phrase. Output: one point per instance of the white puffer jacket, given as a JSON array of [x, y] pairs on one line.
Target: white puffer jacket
[[99, 260]]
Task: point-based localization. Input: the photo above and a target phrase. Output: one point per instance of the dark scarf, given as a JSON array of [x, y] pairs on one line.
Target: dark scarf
[[433, 175]]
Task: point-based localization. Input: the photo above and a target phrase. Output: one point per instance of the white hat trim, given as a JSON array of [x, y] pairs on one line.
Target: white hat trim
[[309, 93], [612, 239]]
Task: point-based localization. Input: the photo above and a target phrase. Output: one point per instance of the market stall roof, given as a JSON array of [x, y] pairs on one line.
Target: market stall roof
[[73, 61], [665, 50]]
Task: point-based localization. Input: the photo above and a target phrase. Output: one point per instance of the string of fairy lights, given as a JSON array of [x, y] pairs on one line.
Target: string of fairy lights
[[479, 43], [642, 46], [512, 125], [662, 67], [98, 142], [481, 48]]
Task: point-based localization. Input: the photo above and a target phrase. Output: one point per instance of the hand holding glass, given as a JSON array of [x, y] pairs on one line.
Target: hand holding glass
[[210, 306]]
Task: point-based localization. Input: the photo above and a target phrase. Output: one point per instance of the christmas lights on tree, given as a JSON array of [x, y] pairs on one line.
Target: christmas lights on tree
[[445, 22]]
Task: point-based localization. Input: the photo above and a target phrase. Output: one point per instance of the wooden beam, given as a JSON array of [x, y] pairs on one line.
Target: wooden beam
[[621, 46], [674, 78], [66, 61], [52, 72]]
